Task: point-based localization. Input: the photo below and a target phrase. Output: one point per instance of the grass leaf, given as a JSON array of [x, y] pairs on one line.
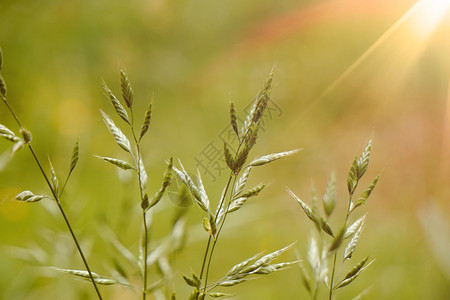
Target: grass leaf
[[143, 178], [166, 181], [266, 259], [236, 204], [201, 189], [240, 201], [354, 273], [186, 179], [240, 266], [233, 282], [17, 146], [308, 211], [55, 183], [271, 157], [329, 198], [366, 193], [254, 191], [8, 134], [354, 227], [85, 275], [218, 295], [241, 183], [326, 227], [348, 252], [363, 161], [118, 135], [274, 267], [120, 110], [116, 162]]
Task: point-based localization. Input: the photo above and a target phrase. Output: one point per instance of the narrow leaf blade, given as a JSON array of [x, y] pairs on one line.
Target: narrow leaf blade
[[85, 274], [241, 182], [120, 110], [116, 162], [271, 157], [55, 182], [329, 198], [118, 135]]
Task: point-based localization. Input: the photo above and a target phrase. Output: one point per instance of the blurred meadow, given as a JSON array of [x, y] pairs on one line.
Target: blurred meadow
[[345, 71]]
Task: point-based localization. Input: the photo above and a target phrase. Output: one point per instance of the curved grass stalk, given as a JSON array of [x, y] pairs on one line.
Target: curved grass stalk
[[207, 258], [57, 200]]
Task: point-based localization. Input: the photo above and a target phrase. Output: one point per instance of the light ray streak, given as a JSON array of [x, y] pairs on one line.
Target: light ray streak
[[388, 33]]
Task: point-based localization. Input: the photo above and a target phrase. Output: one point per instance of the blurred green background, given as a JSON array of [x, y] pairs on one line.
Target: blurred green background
[[345, 71]]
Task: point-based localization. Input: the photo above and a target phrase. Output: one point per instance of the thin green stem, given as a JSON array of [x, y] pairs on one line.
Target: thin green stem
[[64, 185], [315, 292], [66, 220], [11, 110], [58, 202], [218, 233], [344, 226], [137, 162], [144, 291], [330, 295], [222, 200], [205, 256]]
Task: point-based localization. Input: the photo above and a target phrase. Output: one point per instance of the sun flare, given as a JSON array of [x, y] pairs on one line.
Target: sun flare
[[429, 15]]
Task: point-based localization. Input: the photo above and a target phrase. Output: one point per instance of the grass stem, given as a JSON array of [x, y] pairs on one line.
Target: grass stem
[[330, 295], [58, 202], [144, 290]]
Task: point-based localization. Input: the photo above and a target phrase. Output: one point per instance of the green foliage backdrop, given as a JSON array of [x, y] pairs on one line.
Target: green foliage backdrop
[[192, 56]]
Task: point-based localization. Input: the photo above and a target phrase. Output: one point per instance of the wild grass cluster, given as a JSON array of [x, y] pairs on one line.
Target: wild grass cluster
[[150, 273], [333, 247]]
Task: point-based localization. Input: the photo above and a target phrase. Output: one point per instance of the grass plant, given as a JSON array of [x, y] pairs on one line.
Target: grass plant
[[326, 254], [333, 247], [233, 198], [51, 179], [137, 166]]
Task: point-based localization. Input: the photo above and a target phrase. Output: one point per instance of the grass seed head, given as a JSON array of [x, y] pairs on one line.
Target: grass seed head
[[127, 91], [3, 89], [146, 124], [26, 134], [233, 119]]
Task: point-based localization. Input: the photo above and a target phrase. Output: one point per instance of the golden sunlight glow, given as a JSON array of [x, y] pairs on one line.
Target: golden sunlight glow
[[429, 15], [422, 18]]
